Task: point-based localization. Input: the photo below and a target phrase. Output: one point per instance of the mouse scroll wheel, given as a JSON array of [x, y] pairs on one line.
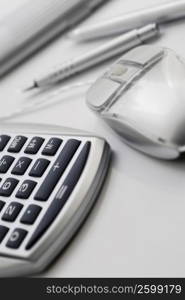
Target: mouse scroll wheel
[[121, 73], [118, 70]]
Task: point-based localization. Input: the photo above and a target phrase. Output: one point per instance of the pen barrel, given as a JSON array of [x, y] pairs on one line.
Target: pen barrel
[[156, 14], [114, 47], [35, 23]]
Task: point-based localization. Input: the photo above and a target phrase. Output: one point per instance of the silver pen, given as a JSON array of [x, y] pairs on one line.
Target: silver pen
[[114, 47], [159, 14]]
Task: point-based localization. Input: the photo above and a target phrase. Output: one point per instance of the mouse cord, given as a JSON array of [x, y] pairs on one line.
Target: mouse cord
[[54, 97]]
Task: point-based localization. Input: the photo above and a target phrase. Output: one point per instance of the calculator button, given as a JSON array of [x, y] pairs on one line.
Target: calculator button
[[62, 195], [12, 211], [5, 163], [3, 232], [25, 189], [16, 238], [39, 167], [21, 166], [52, 146], [8, 186], [17, 143], [3, 141], [1, 205], [57, 170], [34, 145], [31, 214]]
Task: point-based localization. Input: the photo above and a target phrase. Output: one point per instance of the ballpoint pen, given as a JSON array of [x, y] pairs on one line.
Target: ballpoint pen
[[114, 47], [159, 14]]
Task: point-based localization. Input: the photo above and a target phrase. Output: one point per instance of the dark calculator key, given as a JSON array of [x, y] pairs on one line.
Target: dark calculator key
[[12, 211], [17, 143], [4, 139], [62, 195], [31, 214], [52, 146], [57, 170], [3, 232], [34, 145], [39, 167], [8, 187], [25, 189], [21, 166], [5, 163], [2, 203], [16, 238]]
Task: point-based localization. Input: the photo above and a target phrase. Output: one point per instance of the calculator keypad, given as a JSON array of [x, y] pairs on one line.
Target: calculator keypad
[[21, 166], [3, 232], [31, 214], [8, 187], [39, 167], [17, 144], [4, 139], [52, 146], [12, 211], [16, 238], [2, 203], [57, 170], [5, 163], [34, 145], [25, 189], [30, 175], [61, 196]]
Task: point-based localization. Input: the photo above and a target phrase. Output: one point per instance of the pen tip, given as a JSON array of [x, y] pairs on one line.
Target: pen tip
[[31, 87]]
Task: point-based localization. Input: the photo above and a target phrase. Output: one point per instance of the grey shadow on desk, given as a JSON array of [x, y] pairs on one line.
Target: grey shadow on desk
[[166, 176]]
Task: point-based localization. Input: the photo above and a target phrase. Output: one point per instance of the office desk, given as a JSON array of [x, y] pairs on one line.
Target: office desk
[[137, 226]]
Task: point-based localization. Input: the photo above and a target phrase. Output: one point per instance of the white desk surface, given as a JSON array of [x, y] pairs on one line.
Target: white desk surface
[[137, 227]]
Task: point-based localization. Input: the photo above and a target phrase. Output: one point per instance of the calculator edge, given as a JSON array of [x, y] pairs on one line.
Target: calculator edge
[[38, 128]]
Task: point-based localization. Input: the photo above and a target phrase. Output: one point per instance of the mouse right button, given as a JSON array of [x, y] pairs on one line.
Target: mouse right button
[[143, 55]]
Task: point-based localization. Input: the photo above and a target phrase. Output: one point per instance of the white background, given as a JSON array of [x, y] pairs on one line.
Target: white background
[[137, 227]]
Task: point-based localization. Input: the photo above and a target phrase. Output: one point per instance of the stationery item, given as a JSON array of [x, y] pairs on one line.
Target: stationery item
[[141, 97], [95, 56], [159, 14], [35, 23], [50, 179]]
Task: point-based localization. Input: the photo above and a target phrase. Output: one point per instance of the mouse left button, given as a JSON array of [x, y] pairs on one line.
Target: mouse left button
[[101, 92]]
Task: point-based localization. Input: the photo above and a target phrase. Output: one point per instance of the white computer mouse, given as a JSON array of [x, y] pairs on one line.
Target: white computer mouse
[[142, 98]]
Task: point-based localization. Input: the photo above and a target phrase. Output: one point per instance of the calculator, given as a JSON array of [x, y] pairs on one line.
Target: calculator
[[50, 176]]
